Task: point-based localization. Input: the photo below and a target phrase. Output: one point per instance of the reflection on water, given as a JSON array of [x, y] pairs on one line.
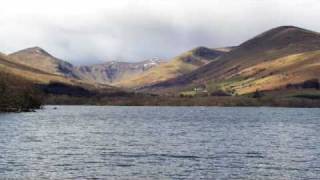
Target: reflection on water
[[80, 142]]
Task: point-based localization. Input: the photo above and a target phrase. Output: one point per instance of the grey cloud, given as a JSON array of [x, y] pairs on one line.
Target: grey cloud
[[148, 29]]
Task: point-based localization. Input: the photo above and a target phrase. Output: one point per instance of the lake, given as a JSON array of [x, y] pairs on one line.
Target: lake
[[89, 142]]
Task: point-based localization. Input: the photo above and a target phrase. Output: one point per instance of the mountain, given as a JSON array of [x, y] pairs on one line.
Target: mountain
[[123, 74], [23, 88], [274, 59], [183, 64], [281, 58], [38, 58], [12, 67], [113, 72], [107, 73]]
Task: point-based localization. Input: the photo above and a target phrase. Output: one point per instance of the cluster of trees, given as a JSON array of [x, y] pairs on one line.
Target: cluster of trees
[[18, 95]]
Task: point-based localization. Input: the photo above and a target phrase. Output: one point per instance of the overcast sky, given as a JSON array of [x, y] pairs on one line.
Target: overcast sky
[[89, 31]]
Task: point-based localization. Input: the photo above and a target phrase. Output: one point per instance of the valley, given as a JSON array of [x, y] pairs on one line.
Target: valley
[[280, 60]]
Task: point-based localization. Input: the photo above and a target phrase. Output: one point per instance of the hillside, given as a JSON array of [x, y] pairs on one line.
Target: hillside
[[10, 66], [279, 73], [113, 72], [180, 65], [17, 94], [274, 59], [38, 58]]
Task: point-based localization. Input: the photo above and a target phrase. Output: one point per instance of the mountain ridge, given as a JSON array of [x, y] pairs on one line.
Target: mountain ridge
[[277, 56], [105, 73], [114, 71], [268, 46]]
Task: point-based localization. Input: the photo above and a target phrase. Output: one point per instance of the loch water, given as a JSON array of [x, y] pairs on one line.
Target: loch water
[[92, 142]]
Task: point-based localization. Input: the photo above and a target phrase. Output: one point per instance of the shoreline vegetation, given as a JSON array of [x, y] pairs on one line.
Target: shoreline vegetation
[[19, 95], [293, 98], [25, 102], [178, 101]]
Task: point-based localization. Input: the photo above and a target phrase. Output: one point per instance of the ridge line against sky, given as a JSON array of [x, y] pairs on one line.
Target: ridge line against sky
[[92, 31]]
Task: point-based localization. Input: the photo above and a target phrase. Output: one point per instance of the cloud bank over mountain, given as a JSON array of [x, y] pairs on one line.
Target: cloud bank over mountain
[[89, 31]]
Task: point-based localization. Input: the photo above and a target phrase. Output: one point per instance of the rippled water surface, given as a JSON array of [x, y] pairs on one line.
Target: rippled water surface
[[80, 142]]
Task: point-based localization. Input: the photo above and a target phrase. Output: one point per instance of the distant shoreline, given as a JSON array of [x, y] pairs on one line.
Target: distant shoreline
[[188, 102]]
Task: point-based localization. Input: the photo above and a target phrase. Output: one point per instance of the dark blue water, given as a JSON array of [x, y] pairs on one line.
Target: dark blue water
[[78, 142]]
